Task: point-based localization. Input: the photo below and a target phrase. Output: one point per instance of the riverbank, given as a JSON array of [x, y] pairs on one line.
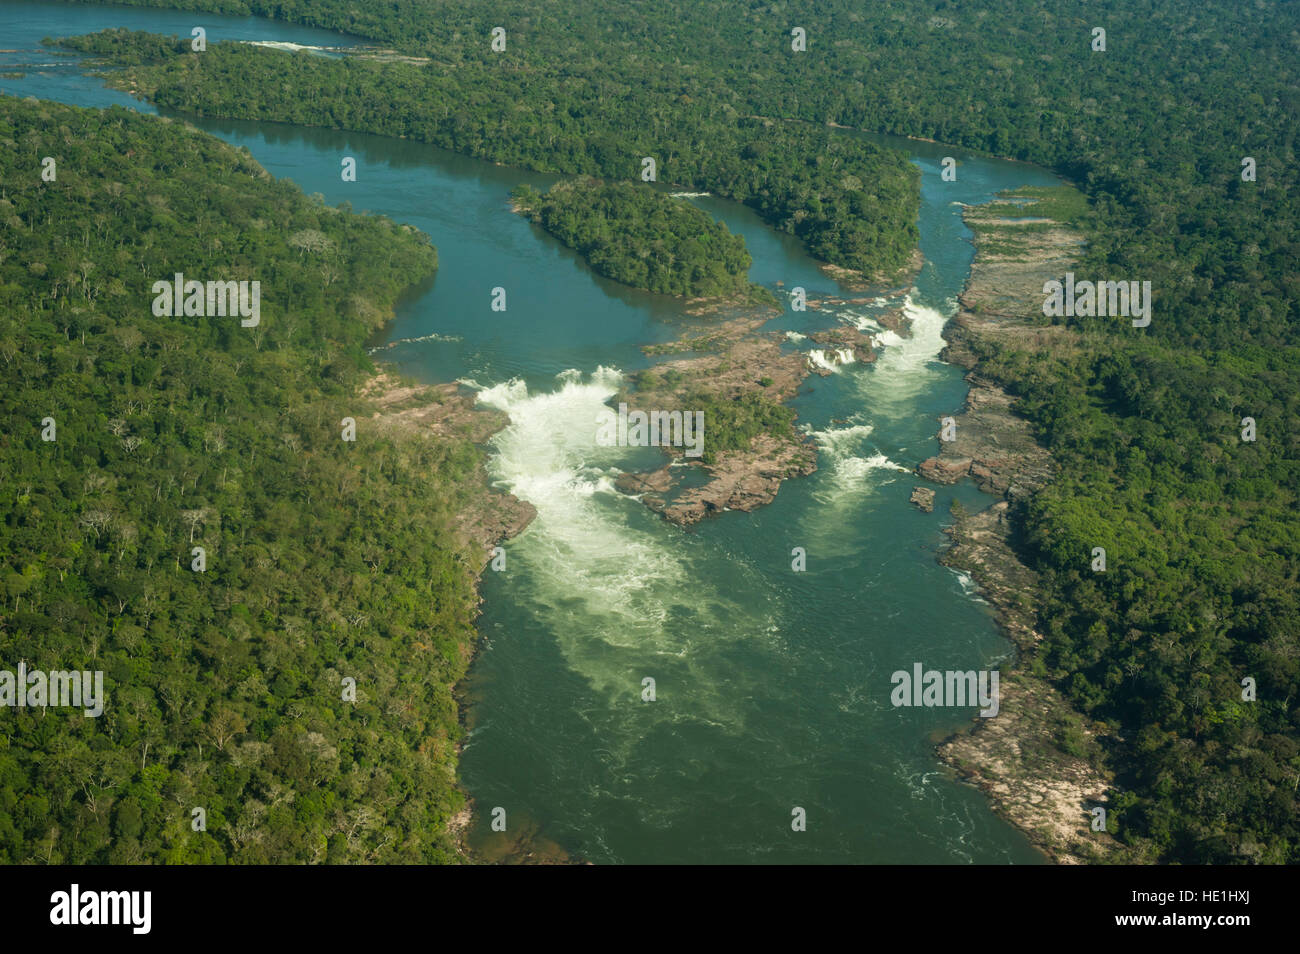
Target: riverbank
[[1019, 758], [600, 743], [447, 412], [856, 281]]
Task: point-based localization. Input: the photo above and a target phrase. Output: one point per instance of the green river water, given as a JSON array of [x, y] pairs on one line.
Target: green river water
[[772, 687]]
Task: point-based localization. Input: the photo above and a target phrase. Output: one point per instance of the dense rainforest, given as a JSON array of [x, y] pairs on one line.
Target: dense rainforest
[[325, 559], [853, 204], [641, 237], [1145, 424]]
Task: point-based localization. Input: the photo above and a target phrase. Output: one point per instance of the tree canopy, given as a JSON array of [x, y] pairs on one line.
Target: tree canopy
[[324, 559]]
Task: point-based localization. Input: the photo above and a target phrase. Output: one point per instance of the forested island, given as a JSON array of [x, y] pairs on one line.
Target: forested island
[[643, 238], [853, 204], [1144, 424], [133, 439]]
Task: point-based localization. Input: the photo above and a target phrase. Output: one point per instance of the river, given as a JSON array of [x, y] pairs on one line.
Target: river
[[772, 686]]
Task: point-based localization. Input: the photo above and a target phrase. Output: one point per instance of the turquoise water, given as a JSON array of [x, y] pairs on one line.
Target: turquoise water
[[772, 687]]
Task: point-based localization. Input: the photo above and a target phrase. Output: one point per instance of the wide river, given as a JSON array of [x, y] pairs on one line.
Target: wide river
[[772, 686]]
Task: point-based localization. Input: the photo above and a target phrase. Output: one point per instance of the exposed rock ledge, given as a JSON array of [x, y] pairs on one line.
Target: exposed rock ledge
[[857, 281], [846, 338], [1014, 758], [740, 361], [485, 518], [739, 481], [488, 517], [993, 446]]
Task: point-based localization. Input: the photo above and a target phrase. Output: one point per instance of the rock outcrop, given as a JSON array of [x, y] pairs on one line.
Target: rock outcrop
[[489, 517], [1014, 758]]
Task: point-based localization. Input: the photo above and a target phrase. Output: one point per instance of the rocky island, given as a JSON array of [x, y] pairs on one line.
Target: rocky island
[[750, 443]]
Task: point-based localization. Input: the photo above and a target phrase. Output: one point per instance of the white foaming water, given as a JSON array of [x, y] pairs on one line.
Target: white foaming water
[[549, 455], [861, 466], [285, 45], [794, 336], [612, 583], [924, 343], [421, 338], [860, 321], [906, 366], [968, 586], [837, 441], [903, 369], [851, 460], [831, 360]]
